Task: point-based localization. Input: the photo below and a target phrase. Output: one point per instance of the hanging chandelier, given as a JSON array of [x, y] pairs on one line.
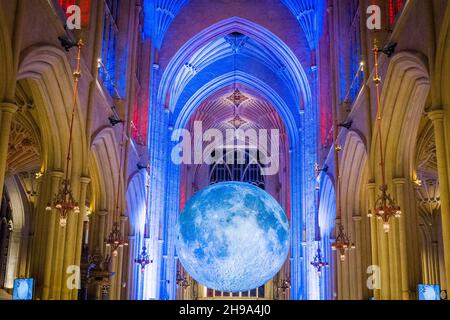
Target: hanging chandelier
[[143, 259], [116, 239], [342, 243], [318, 263], [64, 201], [237, 122], [385, 206], [237, 97], [284, 286]]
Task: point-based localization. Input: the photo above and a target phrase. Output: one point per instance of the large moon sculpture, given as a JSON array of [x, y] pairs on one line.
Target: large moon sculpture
[[232, 237]]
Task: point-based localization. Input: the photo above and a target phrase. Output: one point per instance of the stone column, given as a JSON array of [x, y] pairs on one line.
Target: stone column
[[81, 217], [120, 258], [71, 234], [132, 270], [12, 268], [437, 117], [400, 191], [359, 283], [39, 235], [339, 266], [7, 111], [52, 225], [100, 226], [371, 191], [435, 261]]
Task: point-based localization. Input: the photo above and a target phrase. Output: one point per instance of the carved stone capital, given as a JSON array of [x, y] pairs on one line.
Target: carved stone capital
[[8, 107], [400, 181], [371, 185], [85, 180], [56, 174], [436, 115], [102, 213]]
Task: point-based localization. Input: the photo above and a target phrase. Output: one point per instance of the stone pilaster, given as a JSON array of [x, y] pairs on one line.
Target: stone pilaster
[[437, 117], [7, 111]]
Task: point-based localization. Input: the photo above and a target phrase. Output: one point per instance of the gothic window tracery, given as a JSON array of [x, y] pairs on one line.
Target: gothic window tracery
[[351, 76], [248, 171], [108, 65]]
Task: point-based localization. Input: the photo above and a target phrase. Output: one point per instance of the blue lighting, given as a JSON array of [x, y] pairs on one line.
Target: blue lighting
[[203, 66], [159, 15], [112, 68]]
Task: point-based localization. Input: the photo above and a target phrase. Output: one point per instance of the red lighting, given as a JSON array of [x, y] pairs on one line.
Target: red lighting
[[395, 6]]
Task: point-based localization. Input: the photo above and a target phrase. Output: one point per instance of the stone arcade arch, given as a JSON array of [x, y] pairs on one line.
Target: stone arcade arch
[[104, 163], [49, 75], [404, 94], [351, 274], [327, 217], [136, 200], [165, 176]]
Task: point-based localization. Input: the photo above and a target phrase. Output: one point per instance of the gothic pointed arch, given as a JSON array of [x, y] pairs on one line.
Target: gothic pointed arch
[[211, 45], [49, 73]]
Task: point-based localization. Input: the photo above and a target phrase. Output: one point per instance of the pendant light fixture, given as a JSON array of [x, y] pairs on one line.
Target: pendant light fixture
[[318, 262], [64, 202], [385, 206], [342, 243], [143, 259], [115, 239]]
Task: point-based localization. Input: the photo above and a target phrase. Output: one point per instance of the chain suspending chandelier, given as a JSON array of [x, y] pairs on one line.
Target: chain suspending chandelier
[[236, 98], [318, 262], [385, 206], [64, 201], [342, 243], [143, 259], [116, 239]]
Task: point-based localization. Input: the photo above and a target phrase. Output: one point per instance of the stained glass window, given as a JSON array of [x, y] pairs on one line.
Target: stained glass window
[[395, 7], [351, 75], [111, 70]]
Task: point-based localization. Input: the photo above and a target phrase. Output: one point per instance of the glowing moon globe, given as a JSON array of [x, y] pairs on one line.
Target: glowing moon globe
[[232, 237]]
